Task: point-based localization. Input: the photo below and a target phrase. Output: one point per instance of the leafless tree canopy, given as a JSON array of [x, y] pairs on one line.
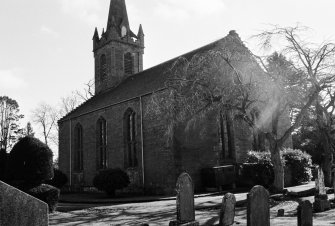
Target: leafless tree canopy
[[9, 119], [45, 116]]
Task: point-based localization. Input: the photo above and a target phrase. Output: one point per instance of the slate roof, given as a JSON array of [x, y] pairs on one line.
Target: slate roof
[[147, 81]]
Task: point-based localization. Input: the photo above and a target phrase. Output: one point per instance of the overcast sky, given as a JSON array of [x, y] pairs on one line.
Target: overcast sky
[[46, 45]]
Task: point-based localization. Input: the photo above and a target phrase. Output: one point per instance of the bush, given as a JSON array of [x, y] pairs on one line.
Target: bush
[[3, 164], [109, 180], [30, 160], [45, 193], [59, 179], [300, 164], [257, 169]]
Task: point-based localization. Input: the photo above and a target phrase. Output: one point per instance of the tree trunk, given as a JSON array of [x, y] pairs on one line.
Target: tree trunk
[[324, 128], [278, 168], [327, 157]]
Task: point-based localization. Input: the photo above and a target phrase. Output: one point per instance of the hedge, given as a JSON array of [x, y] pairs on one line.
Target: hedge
[[30, 160], [258, 168]]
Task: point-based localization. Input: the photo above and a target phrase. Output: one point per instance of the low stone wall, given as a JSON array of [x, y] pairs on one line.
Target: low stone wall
[[18, 208]]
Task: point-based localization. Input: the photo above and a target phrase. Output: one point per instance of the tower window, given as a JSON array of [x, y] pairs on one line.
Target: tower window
[[103, 67], [128, 64], [130, 139], [101, 143], [78, 148]]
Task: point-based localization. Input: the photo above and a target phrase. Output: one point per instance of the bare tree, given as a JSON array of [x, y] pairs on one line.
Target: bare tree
[[9, 119], [228, 80], [316, 62], [45, 116], [69, 103], [88, 91], [224, 82]]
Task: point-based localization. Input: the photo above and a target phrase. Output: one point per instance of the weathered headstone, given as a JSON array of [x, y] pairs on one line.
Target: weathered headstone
[[321, 202], [227, 212], [258, 211], [18, 208], [185, 202], [305, 214], [280, 213], [320, 182]]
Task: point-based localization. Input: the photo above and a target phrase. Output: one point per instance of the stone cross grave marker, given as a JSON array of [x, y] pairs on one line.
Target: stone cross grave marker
[[185, 201], [227, 212], [258, 210], [18, 208], [305, 213]]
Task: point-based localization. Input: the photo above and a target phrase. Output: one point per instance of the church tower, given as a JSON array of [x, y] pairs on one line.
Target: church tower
[[118, 52]]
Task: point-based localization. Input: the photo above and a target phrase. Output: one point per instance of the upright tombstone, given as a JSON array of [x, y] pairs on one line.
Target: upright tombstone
[[185, 202], [305, 213], [258, 210], [320, 182], [227, 212], [321, 202], [18, 208]]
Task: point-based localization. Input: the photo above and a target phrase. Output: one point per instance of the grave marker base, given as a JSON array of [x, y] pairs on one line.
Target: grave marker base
[[321, 204], [176, 223]]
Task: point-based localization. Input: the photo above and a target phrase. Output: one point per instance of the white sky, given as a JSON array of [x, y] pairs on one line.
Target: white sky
[[46, 45]]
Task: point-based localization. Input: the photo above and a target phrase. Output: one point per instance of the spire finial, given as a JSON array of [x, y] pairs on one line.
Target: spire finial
[[140, 31], [96, 33]]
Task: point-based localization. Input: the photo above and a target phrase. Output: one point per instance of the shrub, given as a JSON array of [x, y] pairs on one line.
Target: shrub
[[109, 180], [59, 179], [3, 164], [257, 169], [31, 161], [45, 193], [300, 164]]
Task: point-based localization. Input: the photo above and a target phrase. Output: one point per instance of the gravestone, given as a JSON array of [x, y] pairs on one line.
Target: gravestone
[[280, 213], [185, 202], [321, 202], [258, 210], [227, 212], [320, 182], [18, 208], [305, 213]]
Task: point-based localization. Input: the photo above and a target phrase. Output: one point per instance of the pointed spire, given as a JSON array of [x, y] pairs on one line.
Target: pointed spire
[[118, 14], [96, 34], [140, 32]]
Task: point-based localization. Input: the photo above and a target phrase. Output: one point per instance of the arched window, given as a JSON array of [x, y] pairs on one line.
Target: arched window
[[101, 143], [230, 134], [103, 67], [227, 135], [78, 148], [128, 64], [129, 122], [258, 135]]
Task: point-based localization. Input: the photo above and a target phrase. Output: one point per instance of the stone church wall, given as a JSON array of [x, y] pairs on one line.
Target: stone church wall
[[158, 159]]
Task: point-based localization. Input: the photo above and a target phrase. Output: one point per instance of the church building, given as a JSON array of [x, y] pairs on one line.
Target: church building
[[113, 129]]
